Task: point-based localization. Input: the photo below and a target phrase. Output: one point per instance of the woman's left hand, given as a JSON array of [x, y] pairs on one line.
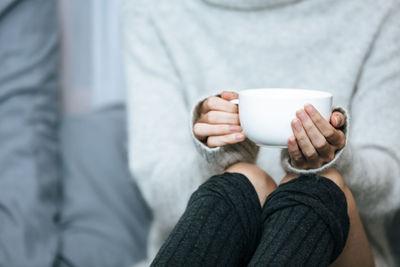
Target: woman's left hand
[[315, 140]]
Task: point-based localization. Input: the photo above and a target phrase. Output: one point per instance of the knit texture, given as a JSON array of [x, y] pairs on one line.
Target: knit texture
[[220, 227], [249, 4], [303, 223], [285, 159], [222, 157], [178, 52]]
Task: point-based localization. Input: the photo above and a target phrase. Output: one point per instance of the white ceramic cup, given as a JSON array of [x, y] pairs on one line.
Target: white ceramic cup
[[266, 114]]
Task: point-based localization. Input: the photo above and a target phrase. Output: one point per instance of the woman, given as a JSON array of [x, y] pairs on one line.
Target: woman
[[179, 52], [303, 223]]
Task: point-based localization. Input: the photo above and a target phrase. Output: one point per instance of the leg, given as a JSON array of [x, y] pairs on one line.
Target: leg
[[357, 251], [261, 181], [222, 222], [305, 224]]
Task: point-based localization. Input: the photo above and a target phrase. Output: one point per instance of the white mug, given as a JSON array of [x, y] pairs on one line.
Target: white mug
[[266, 114]]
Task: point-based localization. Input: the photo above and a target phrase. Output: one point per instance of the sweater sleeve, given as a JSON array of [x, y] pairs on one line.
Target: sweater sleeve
[[285, 158], [162, 158], [371, 166], [162, 155], [222, 157], [370, 163]]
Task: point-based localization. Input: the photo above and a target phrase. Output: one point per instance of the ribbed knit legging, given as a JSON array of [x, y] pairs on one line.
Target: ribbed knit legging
[[303, 223]]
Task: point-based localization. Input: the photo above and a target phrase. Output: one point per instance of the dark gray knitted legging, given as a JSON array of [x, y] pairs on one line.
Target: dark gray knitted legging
[[303, 223]]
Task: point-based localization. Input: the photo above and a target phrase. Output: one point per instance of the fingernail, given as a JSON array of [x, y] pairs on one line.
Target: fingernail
[[235, 128], [302, 115], [223, 94], [335, 120], [310, 109], [239, 136], [297, 125]]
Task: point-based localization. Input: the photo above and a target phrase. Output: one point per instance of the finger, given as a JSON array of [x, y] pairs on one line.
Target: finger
[[215, 141], [333, 136], [337, 119], [317, 139], [202, 130], [219, 104], [296, 157], [304, 143], [227, 95], [219, 117]]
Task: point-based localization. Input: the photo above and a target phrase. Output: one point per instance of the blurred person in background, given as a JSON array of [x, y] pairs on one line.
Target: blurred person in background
[[29, 178]]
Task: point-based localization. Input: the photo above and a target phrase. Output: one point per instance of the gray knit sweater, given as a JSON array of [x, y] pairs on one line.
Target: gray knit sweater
[[179, 51]]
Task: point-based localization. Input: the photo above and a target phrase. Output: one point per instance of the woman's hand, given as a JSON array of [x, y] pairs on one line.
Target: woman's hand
[[315, 140], [218, 124]]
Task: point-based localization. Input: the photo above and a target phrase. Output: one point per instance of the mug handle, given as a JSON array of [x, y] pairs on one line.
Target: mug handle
[[234, 101]]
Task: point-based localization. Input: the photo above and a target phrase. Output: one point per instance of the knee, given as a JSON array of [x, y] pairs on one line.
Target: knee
[[261, 181], [335, 177]]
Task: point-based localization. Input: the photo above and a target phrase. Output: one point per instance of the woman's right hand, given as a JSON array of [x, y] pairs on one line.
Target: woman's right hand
[[218, 124]]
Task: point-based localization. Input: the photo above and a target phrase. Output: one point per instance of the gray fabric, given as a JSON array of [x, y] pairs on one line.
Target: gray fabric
[[393, 232], [104, 220], [249, 4], [28, 145]]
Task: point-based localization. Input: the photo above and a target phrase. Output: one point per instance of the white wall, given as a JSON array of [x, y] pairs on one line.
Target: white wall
[[91, 61]]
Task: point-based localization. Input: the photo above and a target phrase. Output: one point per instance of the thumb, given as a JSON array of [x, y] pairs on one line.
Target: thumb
[[227, 95], [337, 119]]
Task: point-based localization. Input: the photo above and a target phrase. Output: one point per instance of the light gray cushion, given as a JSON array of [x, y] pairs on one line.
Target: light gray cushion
[[104, 219]]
